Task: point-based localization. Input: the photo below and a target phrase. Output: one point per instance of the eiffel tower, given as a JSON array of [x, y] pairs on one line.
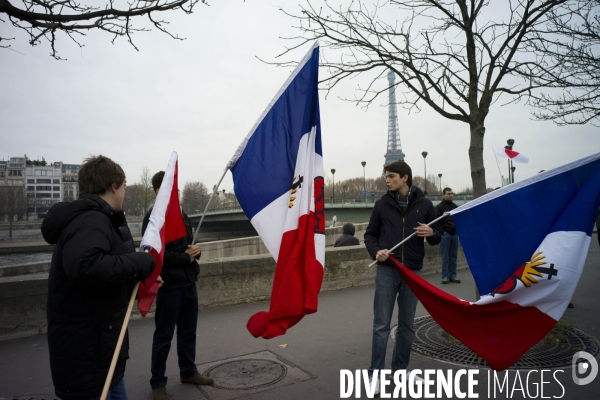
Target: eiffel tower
[[394, 148]]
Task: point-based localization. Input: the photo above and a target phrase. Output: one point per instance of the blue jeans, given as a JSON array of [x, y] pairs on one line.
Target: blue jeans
[[175, 307], [390, 288], [449, 250], [116, 393]]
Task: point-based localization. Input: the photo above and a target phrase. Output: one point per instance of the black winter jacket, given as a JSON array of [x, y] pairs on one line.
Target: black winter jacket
[[94, 267], [177, 270], [388, 226], [446, 224]]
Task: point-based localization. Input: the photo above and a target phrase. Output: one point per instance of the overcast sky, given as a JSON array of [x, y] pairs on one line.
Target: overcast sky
[[201, 96]]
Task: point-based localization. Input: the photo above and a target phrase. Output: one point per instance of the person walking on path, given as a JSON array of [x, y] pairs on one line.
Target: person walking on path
[[347, 238], [402, 211], [449, 243], [92, 274], [176, 306]]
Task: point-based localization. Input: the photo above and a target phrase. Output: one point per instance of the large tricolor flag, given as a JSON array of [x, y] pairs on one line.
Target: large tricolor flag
[[526, 245], [278, 180], [510, 154], [165, 225]]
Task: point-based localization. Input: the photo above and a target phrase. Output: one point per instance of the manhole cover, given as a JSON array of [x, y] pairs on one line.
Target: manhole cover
[[246, 374], [556, 350]]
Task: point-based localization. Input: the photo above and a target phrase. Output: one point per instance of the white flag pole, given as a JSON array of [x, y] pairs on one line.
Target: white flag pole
[[411, 235], [216, 188]]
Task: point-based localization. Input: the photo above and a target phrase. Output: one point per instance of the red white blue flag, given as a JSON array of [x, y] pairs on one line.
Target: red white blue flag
[[510, 154], [526, 245], [165, 225], [278, 180]]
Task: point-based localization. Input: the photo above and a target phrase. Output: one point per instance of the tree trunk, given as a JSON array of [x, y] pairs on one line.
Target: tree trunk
[[10, 221], [476, 157]]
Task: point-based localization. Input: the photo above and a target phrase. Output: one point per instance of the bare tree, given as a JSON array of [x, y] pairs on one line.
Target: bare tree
[[44, 19], [571, 40], [13, 205], [195, 196], [146, 191], [457, 57], [133, 204]]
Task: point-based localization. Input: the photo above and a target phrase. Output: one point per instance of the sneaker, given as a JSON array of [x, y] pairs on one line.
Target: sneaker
[[455, 280], [416, 378], [160, 393], [444, 280], [376, 392], [198, 379], [571, 305]]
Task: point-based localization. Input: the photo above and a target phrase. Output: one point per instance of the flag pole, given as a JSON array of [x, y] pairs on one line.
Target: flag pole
[[411, 235], [113, 363], [208, 204]]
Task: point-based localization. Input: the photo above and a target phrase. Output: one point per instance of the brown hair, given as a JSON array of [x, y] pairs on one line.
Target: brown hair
[[446, 189], [98, 174], [401, 168]]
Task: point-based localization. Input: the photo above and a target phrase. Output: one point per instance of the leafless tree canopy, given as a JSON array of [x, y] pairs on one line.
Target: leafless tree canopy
[[457, 57], [572, 40], [194, 198], [44, 19]]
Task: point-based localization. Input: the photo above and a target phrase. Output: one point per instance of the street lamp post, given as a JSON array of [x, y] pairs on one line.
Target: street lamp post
[[440, 176], [509, 146], [333, 174], [363, 163], [424, 154], [513, 172]]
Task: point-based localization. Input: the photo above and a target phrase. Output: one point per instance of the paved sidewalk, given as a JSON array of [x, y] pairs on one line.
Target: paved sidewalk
[[337, 337]]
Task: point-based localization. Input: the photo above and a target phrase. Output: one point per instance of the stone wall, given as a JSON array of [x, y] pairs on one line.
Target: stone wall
[[222, 282]]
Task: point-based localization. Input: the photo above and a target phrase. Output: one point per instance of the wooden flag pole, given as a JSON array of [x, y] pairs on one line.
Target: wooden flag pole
[[207, 205], [413, 234], [113, 363]]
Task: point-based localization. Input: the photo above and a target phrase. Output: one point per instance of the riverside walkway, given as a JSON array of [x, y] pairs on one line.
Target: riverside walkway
[[337, 337]]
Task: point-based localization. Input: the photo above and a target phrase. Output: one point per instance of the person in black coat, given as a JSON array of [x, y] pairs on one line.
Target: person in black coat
[[449, 243], [176, 306], [402, 211], [347, 238], [93, 270]]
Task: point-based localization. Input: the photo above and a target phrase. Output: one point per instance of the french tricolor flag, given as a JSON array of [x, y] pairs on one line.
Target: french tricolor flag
[[510, 154], [526, 245], [278, 180], [165, 225]]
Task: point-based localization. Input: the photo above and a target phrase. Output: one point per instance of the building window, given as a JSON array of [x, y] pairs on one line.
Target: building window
[[56, 195], [44, 181], [38, 188], [1, 174], [30, 188], [42, 195], [43, 172], [56, 188], [55, 181], [15, 172], [30, 180]]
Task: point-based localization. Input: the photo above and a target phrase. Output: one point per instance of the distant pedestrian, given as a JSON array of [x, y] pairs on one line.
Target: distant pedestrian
[[449, 243], [347, 239], [93, 271]]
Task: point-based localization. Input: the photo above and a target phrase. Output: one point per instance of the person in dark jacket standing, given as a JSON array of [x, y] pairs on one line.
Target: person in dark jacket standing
[[176, 305], [347, 238], [449, 243], [93, 270], [402, 211]]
